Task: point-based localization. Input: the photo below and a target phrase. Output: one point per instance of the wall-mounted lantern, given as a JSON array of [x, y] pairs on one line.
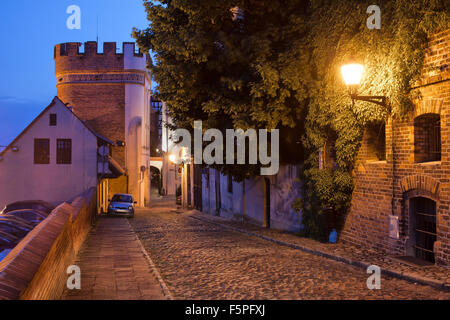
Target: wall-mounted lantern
[[352, 74]]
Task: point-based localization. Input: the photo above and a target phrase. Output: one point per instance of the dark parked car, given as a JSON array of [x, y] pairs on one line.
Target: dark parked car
[[17, 220], [8, 240], [31, 215], [14, 228], [29, 204], [122, 205]]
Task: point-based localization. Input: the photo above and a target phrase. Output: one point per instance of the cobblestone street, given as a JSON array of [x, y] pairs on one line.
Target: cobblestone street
[[199, 260]]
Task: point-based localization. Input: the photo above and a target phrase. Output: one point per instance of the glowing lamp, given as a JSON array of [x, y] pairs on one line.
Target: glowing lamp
[[352, 73], [172, 158]]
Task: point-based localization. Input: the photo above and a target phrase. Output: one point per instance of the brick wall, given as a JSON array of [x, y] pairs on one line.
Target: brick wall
[[36, 268], [99, 102], [386, 187], [102, 106]]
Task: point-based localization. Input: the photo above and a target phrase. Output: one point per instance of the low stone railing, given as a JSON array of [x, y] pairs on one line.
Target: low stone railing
[[36, 268]]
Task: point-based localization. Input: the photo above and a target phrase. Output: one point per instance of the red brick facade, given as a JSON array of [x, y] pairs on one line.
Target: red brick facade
[[384, 188]]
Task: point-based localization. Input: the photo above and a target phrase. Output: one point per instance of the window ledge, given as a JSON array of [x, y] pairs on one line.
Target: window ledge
[[376, 161], [429, 163]]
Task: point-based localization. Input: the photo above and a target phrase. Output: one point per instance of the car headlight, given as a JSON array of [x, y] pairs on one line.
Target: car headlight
[[130, 208]]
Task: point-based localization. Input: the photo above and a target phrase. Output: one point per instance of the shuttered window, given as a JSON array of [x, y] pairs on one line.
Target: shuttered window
[[41, 151], [52, 119]]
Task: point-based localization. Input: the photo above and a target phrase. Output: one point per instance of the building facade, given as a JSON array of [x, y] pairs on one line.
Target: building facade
[[111, 91], [265, 200], [401, 201], [54, 159]]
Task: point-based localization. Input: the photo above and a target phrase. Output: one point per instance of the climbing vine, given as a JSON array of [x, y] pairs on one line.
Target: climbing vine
[[277, 66], [393, 59]]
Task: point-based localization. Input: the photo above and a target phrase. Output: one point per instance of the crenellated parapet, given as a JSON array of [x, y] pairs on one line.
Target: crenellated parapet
[[73, 64]]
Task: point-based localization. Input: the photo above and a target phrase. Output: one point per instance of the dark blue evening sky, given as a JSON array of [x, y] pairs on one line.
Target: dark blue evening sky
[[29, 30]]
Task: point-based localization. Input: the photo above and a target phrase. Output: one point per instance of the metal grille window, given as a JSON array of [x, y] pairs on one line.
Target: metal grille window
[[41, 151], [64, 151], [427, 138], [424, 228]]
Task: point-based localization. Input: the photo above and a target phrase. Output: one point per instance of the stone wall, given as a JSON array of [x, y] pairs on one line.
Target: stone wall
[[250, 205], [384, 188], [36, 268]]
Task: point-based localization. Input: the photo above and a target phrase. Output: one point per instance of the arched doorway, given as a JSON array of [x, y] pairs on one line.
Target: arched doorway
[[422, 230]]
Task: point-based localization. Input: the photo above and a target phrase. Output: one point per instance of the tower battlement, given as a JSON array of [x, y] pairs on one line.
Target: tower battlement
[[91, 48], [69, 58]]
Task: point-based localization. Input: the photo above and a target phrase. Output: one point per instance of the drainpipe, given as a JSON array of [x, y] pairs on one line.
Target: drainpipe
[[243, 201], [393, 167]]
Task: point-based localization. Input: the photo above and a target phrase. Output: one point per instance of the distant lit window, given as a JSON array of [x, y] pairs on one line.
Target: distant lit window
[[52, 119], [41, 151], [64, 151]]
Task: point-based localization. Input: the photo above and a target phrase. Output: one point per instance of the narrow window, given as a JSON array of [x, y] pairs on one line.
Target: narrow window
[[41, 151], [63, 50], [375, 141], [427, 138], [52, 119], [230, 183], [64, 151]]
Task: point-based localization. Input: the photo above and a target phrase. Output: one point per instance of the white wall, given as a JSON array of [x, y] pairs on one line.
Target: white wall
[[137, 128], [21, 179], [170, 180], [284, 189]]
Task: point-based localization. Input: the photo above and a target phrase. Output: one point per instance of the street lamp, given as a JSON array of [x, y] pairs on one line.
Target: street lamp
[[172, 158], [352, 74]]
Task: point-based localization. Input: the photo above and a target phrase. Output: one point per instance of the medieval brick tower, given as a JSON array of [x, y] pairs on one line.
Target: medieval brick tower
[[111, 92]]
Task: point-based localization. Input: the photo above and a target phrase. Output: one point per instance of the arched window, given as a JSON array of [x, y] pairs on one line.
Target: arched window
[[427, 138]]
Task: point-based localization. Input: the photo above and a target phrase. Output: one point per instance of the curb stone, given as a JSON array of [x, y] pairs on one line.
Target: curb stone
[[155, 271], [410, 277]]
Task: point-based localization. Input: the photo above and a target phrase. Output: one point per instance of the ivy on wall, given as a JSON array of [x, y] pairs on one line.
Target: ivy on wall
[[279, 67], [393, 60]]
